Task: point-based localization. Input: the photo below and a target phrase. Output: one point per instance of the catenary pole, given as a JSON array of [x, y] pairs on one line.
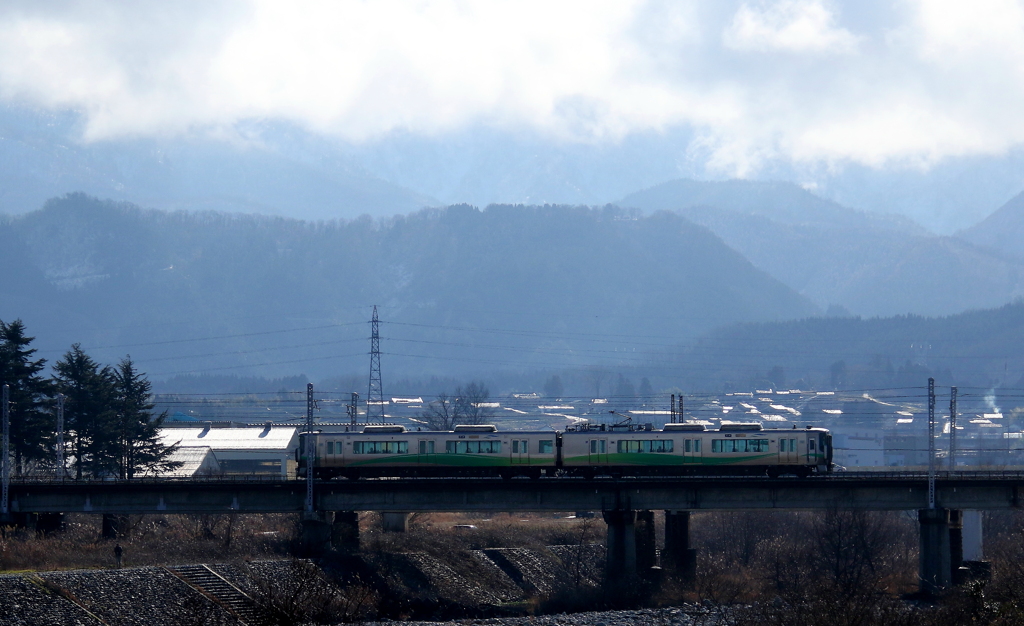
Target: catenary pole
[[931, 443], [952, 428], [7, 450], [60, 435], [310, 448]]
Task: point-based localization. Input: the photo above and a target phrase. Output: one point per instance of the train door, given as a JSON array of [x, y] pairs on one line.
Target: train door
[[520, 451], [692, 454], [787, 450], [332, 451], [598, 451], [425, 448]]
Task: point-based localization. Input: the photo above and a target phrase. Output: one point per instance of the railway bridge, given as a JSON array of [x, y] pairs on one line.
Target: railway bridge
[[626, 504]]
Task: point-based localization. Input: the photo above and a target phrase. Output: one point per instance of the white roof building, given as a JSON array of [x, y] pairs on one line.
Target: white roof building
[[264, 450], [195, 461]]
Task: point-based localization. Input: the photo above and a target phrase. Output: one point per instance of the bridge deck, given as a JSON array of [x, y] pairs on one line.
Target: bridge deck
[[843, 490]]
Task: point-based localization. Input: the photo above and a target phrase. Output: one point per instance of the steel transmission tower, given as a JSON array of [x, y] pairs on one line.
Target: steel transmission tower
[[375, 393]]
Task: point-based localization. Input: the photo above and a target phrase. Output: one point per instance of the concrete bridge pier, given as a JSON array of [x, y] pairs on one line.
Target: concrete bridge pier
[[677, 556], [935, 566], [956, 545], [49, 523], [620, 551], [345, 531], [315, 533], [394, 522], [646, 544]]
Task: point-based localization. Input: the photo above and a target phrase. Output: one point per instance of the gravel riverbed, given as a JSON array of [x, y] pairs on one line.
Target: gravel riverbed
[[684, 615]]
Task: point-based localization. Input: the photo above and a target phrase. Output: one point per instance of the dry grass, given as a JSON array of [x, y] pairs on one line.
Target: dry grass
[[149, 540], [439, 535], [833, 567]]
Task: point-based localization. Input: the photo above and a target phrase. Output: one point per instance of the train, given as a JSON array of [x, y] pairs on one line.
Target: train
[[590, 451]]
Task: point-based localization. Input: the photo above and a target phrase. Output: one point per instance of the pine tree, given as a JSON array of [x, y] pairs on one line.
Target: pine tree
[[139, 446], [88, 414], [32, 426]]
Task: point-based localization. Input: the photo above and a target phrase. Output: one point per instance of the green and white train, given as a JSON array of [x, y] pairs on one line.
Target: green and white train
[[588, 451]]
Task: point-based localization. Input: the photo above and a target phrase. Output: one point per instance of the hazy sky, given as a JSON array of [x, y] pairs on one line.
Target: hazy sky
[[904, 83]]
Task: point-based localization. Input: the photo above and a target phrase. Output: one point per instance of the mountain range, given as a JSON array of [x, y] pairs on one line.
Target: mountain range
[[459, 289], [863, 263]]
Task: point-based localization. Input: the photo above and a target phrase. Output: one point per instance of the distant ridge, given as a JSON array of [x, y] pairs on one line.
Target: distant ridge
[[782, 202], [871, 264], [1003, 230]]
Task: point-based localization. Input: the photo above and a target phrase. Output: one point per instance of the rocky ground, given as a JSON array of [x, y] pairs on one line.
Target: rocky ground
[[400, 585], [685, 615]]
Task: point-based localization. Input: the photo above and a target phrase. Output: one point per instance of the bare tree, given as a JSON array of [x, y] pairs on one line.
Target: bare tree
[[468, 405], [443, 413], [474, 401]]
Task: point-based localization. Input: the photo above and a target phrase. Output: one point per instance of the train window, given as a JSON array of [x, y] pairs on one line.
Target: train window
[[472, 447], [598, 446], [686, 445], [330, 447], [380, 447], [426, 447], [647, 445], [696, 445], [520, 446], [593, 446], [546, 446], [810, 445], [739, 445]]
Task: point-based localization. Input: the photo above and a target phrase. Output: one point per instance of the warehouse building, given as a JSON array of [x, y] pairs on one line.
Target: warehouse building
[[267, 450]]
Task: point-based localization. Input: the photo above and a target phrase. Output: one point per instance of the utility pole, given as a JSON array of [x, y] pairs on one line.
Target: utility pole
[[672, 410], [7, 451], [952, 428], [353, 409], [60, 435], [375, 393], [682, 413], [310, 448], [931, 443]]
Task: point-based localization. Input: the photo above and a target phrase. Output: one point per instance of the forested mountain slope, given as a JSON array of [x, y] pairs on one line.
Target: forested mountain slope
[[459, 289], [979, 350]]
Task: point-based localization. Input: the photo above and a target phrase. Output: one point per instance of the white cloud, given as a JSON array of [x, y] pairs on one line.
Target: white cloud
[[790, 25], [816, 82]]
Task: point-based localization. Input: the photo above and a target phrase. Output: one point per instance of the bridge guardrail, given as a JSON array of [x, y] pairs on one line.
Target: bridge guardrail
[[269, 480]]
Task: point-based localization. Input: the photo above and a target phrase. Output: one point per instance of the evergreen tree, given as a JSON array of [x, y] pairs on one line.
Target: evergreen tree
[[139, 447], [32, 426], [88, 412]]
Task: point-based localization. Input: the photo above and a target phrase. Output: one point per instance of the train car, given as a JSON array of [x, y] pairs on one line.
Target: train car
[[588, 451], [376, 451], [691, 449]]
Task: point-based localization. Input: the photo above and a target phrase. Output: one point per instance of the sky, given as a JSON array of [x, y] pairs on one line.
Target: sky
[[813, 85]]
